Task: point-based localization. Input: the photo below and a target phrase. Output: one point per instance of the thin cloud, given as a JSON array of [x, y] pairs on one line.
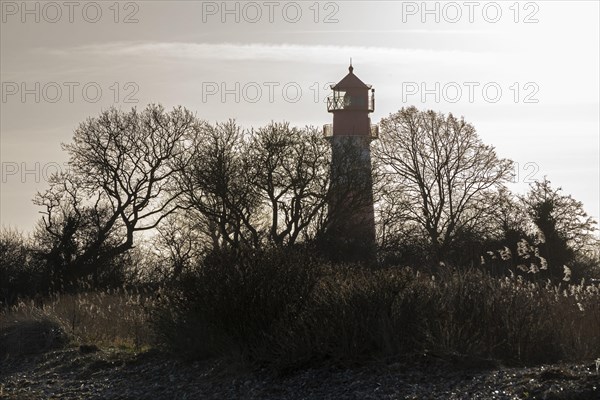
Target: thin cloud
[[257, 52], [402, 31]]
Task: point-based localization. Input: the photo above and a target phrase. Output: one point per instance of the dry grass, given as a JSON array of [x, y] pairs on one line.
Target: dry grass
[[353, 315], [32, 333], [111, 318], [277, 312], [515, 320]]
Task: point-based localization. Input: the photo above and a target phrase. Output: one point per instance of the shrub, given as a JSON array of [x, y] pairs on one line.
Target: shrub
[[113, 317], [232, 303], [20, 274], [285, 310], [28, 333], [479, 315], [353, 315]]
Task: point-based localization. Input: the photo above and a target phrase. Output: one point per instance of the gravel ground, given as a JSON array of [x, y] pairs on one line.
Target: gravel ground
[[109, 374]]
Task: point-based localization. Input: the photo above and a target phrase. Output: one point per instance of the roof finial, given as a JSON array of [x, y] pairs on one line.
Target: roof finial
[[350, 68]]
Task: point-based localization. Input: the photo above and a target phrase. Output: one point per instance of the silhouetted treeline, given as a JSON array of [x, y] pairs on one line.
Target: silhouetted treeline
[[150, 194]]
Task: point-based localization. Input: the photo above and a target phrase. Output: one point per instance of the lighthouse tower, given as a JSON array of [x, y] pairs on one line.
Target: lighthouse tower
[[351, 221]]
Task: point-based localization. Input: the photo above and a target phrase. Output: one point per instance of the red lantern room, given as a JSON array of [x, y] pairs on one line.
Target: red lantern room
[[351, 102]]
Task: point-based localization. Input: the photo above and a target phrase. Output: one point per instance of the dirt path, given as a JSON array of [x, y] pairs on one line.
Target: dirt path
[[108, 374]]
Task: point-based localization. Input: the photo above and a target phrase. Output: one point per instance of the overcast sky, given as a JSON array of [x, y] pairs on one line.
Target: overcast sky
[[525, 74]]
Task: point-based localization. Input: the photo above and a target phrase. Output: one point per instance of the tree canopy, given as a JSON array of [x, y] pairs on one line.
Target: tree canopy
[[441, 169]]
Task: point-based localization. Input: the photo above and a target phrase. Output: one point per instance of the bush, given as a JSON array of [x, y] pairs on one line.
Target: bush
[[478, 315], [31, 333], [232, 303], [353, 315], [286, 311], [113, 318], [19, 272], [26, 272]]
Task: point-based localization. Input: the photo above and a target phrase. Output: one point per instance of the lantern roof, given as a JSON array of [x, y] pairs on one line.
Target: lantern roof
[[350, 81]]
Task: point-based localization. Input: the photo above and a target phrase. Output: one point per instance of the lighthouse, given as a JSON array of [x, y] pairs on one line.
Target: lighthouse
[[351, 219]]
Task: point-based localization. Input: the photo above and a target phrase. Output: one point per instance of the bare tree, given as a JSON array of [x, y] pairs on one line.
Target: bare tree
[[182, 240], [392, 214], [260, 186], [121, 170], [289, 169], [439, 163], [507, 218], [216, 184]]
